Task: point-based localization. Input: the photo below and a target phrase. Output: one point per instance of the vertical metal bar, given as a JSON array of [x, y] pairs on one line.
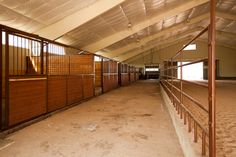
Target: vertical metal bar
[[203, 143], [1, 76], [6, 123], [211, 80], [29, 53], [13, 56], [195, 131], [189, 123], [69, 68], [178, 109], [94, 85], [184, 111], [37, 46], [102, 70], [21, 56], [47, 61], [181, 112], [25, 56], [181, 77], [42, 58], [17, 55]]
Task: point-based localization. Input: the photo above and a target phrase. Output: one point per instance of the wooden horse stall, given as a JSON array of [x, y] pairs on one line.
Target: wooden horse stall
[[39, 76], [106, 75], [57, 69], [124, 74], [132, 74], [114, 74], [24, 89], [110, 75], [85, 68]]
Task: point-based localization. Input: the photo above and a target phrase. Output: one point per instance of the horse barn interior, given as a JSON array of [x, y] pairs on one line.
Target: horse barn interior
[[118, 78]]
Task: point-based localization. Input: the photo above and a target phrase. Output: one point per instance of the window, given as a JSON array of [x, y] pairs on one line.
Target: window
[[151, 69], [190, 47], [191, 72], [97, 59], [55, 49], [15, 41], [35, 46]]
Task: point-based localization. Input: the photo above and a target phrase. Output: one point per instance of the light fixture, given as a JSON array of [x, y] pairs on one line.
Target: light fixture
[[129, 25]]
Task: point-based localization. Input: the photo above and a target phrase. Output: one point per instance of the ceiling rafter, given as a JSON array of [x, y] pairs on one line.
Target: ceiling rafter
[[20, 14], [218, 43], [165, 44], [168, 12], [226, 16], [77, 19], [226, 34], [161, 47], [168, 40], [220, 33], [157, 35], [172, 38]]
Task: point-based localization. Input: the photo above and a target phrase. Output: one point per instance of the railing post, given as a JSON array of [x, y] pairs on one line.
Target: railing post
[[211, 80], [181, 83], [203, 143]]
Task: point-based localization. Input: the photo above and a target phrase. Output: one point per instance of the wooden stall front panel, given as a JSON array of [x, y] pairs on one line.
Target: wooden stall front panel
[[88, 86], [27, 99], [136, 76], [124, 79], [110, 71], [81, 64], [106, 86], [132, 77], [98, 74], [115, 79], [75, 89], [56, 92]]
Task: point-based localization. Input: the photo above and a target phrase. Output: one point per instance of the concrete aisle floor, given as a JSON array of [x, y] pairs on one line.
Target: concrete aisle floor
[[127, 122]]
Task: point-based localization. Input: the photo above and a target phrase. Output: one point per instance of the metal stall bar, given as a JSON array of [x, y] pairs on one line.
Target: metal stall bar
[[211, 79], [6, 80], [1, 70]]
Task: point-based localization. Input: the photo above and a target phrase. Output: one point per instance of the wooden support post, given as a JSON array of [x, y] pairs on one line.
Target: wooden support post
[[211, 79]]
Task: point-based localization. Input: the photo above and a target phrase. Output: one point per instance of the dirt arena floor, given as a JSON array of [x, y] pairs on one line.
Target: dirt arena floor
[[225, 113]]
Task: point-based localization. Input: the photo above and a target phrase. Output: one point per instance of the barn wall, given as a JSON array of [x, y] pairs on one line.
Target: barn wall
[[223, 54]]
